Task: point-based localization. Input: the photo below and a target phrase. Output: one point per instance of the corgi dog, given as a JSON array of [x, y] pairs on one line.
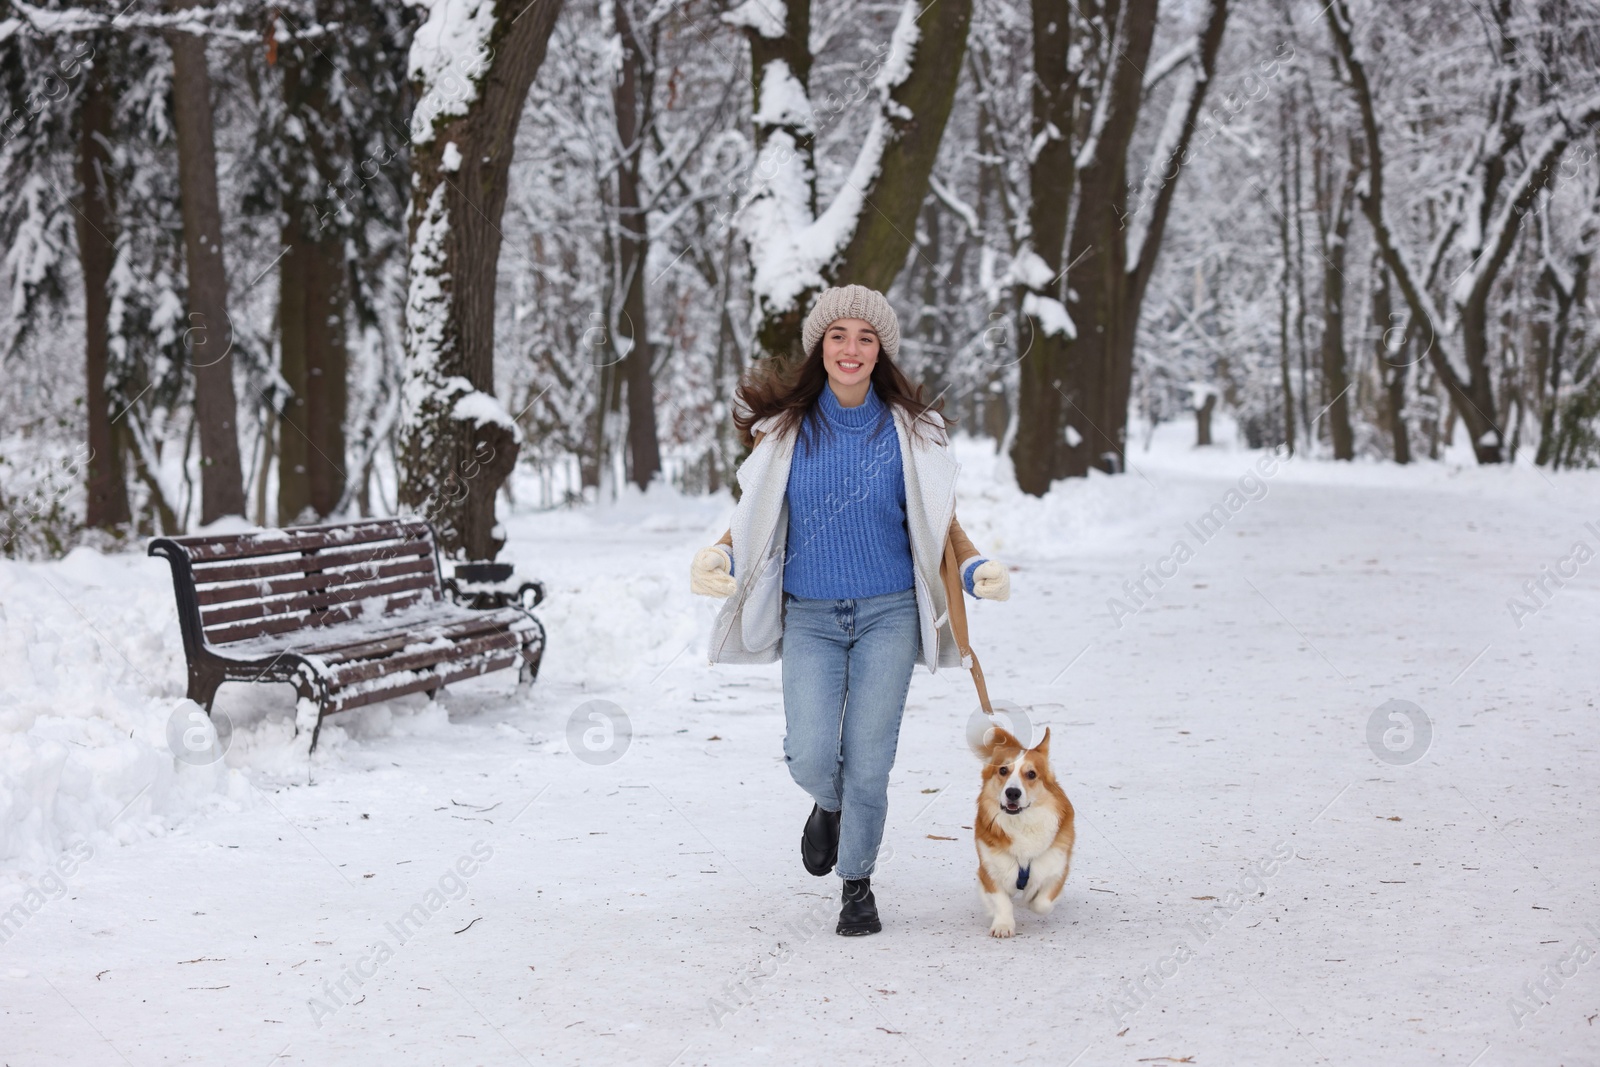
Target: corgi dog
[[1023, 830]]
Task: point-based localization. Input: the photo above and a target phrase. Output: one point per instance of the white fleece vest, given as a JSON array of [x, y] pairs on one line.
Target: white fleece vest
[[749, 627]]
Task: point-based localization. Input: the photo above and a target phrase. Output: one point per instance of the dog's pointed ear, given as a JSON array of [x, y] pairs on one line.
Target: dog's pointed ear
[[1043, 747]]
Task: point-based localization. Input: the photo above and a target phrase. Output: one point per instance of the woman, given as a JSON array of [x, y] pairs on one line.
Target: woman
[[845, 559]]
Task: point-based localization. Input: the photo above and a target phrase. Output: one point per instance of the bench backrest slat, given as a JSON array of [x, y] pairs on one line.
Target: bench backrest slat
[[215, 574], [203, 548], [313, 601], [277, 581], [346, 581]]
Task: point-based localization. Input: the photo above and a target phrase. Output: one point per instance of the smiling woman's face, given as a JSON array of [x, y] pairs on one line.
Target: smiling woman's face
[[849, 352]]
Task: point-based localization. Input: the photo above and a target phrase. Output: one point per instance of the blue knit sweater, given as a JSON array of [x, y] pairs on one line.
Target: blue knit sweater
[[847, 506]]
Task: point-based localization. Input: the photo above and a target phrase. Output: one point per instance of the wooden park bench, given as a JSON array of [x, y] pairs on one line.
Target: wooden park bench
[[348, 613]]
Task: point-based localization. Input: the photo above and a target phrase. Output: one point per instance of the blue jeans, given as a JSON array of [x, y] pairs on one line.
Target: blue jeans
[[846, 669]]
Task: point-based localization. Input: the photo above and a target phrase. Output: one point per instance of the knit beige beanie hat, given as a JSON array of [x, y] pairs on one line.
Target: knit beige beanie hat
[[853, 302]]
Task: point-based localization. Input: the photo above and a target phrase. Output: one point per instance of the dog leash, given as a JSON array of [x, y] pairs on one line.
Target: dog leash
[[958, 622]]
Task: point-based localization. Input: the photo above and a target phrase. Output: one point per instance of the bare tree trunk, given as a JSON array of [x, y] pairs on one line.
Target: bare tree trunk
[[633, 97], [1202, 420], [210, 332], [294, 450], [327, 375], [270, 423], [1301, 304], [1109, 266], [459, 443], [1100, 274], [1286, 266], [95, 221], [924, 283], [999, 416], [1515, 410], [314, 301], [1393, 355], [1333, 219], [727, 365], [1566, 299], [608, 376], [1036, 451]]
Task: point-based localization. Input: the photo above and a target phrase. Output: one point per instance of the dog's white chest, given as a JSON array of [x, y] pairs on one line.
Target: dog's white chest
[[1031, 832]]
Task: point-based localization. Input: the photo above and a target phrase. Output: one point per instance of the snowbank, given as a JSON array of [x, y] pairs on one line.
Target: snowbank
[[93, 673], [90, 681]]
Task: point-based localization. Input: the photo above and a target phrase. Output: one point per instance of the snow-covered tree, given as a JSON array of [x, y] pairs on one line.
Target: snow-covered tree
[[471, 64]]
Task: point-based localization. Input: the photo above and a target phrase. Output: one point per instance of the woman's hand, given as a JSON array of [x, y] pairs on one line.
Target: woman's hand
[[991, 580], [710, 573]]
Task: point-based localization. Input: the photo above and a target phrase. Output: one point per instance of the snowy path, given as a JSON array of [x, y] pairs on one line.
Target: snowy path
[[654, 911]]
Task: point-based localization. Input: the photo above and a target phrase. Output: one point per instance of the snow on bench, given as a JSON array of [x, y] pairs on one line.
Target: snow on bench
[[348, 613]]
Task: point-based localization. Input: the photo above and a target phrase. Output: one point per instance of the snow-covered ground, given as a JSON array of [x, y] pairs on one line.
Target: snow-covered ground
[[644, 903]]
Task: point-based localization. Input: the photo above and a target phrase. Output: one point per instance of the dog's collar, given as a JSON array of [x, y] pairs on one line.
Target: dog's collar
[[1022, 876]]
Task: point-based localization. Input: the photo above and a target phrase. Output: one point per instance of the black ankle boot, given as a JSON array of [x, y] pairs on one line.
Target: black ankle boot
[[819, 841], [860, 912]]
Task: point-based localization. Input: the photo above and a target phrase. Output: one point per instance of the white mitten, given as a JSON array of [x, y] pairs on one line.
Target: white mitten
[[709, 573], [991, 580]]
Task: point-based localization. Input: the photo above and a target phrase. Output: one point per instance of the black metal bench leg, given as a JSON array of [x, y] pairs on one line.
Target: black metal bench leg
[[532, 657], [528, 672], [310, 689], [316, 731], [203, 687]]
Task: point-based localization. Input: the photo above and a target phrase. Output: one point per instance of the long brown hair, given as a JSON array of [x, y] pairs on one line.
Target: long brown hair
[[774, 386]]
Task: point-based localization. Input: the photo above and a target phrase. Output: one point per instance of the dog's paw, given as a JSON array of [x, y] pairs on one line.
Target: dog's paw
[[1041, 906], [1002, 929]]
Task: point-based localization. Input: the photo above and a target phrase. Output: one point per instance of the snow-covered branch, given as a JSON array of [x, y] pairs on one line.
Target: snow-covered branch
[[1535, 175], [230, 22]]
